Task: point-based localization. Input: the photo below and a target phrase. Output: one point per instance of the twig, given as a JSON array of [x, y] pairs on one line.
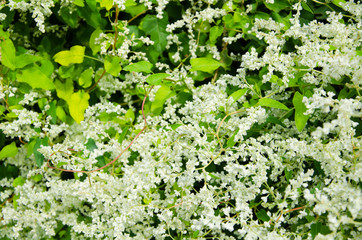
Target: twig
[[124, 150]]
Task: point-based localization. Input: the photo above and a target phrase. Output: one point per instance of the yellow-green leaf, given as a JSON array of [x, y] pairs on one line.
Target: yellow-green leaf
[[204, 64], [61, 113], [85, 79], [112, 65], [96, 47], [35, 77], [238, 94], [156, 79], [26, 59], [162, 94], [8, 53], [74, 55], [142, 66], [300, 109], [108, 4], [79, 3], [9, 151], [78, 103], [268, 102], [130, 115], [19, 181], [64, 90]]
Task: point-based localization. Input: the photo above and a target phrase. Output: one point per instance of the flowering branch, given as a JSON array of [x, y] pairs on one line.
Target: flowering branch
[[123, 151]]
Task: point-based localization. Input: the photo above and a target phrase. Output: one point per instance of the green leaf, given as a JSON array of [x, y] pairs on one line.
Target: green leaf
[[213, 176], [130, 3], [278, 5], [65, 90], [215, 32], [142, 66], [108, 4], [123, 134], [272, 119], [19, 181], [46, 67], [61, 114], [26, 59], [69, 17], [231, 142], [9, 151], [162, 94], [300, 109], [78, 103], [112, 65], [157, 29], [156, 79], [66, 72], [74, 55], [39, 158], [37, 177], [136, 9], [238, 94], [262, 215], [316, 228], [90, 12], [306, 7], [288, 174], [130, 115], [79, 3], [52, 111], [61, 164], [29, 148], [15, 203], [175, 126], [268, 102], [96, 47], [8, 53], [2, 109], [85, 78], [35, 77], [204, 64], [338, 2], [91, 145]]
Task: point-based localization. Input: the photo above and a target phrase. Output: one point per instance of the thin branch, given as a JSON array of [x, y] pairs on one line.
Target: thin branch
[[124, 150]]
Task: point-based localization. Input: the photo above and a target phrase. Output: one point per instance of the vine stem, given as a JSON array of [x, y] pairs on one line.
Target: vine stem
[[123, 151]]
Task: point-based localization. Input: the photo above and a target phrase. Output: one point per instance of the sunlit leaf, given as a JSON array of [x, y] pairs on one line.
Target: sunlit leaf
[[9, 151], [204, 64], [96, 47], [19, 181], [162, 94], [26, 59], [78, 103], [64, 90], [108, 4], [8, 53], [142, 66], [112, 65], [85, 78], [67, 57], [36, 78], [268, 102], [238, 94], [300, 109], [156, 79]]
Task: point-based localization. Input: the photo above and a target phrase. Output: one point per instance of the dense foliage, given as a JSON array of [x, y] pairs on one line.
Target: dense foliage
[[205, 119]]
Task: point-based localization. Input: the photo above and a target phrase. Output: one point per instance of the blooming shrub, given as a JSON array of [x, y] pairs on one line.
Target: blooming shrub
[[180, 119]]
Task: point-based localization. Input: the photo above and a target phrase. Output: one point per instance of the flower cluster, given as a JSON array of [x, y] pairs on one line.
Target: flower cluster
[[227, 121]]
